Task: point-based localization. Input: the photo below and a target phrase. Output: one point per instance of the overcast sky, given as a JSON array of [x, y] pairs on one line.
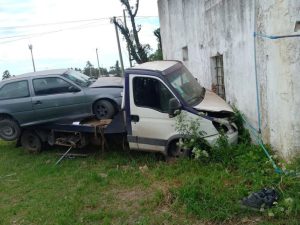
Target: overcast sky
[[70, 44]]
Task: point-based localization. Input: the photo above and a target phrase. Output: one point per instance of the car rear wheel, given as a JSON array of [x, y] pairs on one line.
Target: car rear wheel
[[31, 141], [9, 130], [104, 109]]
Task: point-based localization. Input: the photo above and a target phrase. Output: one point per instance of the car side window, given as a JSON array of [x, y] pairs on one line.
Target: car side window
[[13, 90], [51, 86], [151, 93]]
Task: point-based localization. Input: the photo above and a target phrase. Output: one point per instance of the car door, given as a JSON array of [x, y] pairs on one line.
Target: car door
[[150, 122], [55, 98], [15, 100]]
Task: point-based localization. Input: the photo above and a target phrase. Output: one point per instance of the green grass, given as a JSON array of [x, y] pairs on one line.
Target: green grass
[[116, 188]]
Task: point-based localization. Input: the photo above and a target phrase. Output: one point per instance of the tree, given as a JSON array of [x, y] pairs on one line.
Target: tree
[[138, 51], [158, 37], [157, 55], [93, 72], [116, 69], [6, 75]]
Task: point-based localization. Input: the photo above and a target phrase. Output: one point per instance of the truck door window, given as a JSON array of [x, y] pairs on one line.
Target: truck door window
[[151, 93], [13, 90]]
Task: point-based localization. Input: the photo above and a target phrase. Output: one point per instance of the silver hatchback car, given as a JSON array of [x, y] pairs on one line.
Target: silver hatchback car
[[52, 95]]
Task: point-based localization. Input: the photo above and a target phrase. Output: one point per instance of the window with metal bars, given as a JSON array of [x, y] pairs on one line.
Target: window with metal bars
[[218, 76]]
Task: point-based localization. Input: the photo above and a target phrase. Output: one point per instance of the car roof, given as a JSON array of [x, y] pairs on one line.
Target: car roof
[[160, 66], [39, 73]]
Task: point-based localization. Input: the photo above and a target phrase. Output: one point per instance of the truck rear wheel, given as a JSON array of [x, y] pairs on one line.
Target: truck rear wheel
[[31, 141], [9, 130]]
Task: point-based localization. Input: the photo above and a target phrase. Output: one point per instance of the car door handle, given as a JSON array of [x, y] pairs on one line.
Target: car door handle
[[37, 103], [135, 118]]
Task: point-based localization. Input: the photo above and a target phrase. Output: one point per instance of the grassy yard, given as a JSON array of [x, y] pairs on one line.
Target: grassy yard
[[118, 187]]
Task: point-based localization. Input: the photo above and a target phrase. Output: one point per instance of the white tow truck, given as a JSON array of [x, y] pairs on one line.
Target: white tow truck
[[154, 94]]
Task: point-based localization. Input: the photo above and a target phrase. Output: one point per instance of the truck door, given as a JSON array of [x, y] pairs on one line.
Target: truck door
[[150, 122]]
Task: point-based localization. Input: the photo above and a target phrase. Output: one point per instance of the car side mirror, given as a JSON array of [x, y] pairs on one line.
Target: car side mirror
[[73, 89], [174, 107]]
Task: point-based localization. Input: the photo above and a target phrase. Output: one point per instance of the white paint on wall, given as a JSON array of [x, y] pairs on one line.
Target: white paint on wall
[[212, 27]]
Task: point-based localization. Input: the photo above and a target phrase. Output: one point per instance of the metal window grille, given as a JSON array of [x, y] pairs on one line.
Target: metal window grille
[[220, 85]]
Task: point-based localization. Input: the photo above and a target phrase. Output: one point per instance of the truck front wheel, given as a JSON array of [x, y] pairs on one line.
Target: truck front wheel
[[176, 151]]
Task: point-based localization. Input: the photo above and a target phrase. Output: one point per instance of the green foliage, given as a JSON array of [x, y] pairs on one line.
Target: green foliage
[[110, 188], [115, 70], [245, 161], [244, 135], [284, 208], [156, 56], [192, 135], [93, 72], [6, 75]]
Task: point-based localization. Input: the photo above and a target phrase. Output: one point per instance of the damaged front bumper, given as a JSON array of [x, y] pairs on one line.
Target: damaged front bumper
[[231, 137], [223, 125]]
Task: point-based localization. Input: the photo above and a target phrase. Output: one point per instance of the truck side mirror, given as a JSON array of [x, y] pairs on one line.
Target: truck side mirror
[[174, 107]]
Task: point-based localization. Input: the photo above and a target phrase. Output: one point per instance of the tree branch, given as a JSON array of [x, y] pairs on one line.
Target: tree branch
[[125, 32], [136, 7]]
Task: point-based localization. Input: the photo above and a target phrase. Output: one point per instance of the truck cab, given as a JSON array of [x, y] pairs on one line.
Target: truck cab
[[156, 92]]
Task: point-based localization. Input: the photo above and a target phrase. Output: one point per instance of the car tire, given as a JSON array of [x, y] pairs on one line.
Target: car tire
[[31, 141], [9, 130], [104, 109]]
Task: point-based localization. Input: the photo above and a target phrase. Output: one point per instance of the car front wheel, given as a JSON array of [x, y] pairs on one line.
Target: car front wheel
[[104, 109], [9, 130]]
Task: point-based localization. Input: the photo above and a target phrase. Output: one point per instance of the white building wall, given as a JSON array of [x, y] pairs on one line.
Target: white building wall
[[211, 27]]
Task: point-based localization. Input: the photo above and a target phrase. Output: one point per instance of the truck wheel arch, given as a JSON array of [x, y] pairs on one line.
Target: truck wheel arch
[[178, 153], [171, 140]]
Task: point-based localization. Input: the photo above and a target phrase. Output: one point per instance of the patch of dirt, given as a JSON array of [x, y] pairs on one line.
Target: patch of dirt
[[131, 195]]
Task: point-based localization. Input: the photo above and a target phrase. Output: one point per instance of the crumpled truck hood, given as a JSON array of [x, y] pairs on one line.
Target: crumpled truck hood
[[213, 103], [108, 82]]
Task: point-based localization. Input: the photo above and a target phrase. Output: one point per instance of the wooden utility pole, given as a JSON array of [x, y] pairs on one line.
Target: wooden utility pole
[[98, 62], [119, 47]]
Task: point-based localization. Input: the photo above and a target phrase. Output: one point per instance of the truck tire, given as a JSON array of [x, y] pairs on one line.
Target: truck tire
[[103, 109], [175, 151], [9, 130], [31, 141]]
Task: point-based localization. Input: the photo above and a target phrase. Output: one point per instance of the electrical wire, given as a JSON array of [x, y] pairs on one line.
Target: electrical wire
[[66, 22], [25, 36], [22, 37]]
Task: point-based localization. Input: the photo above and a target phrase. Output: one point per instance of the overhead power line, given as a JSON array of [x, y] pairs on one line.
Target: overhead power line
[[93, 23], [64, 22], [46, 32], [22, 37]]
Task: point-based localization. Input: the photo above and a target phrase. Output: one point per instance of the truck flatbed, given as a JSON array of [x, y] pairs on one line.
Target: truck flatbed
[[114, 126]]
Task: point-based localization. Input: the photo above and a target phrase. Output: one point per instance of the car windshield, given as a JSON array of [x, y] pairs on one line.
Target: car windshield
[[186, 86], [78, 78]]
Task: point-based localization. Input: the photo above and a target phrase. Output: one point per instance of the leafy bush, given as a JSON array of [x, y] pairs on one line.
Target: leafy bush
[[192, 135]]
